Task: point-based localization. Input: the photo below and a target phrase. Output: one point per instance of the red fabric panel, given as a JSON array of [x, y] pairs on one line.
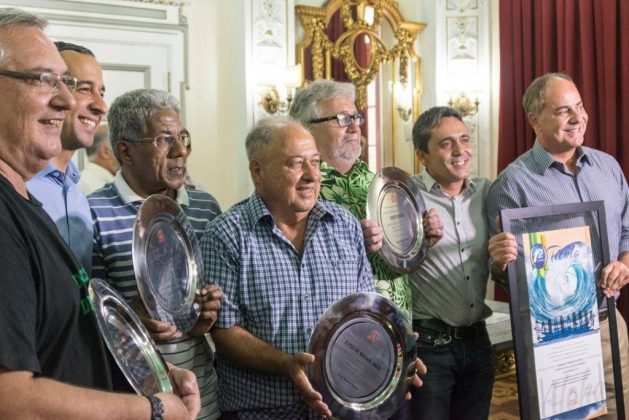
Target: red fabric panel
[[589, 40]]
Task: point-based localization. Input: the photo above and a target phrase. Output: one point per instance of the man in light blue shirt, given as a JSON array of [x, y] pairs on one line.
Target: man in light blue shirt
[[56, 186], [558, 169]]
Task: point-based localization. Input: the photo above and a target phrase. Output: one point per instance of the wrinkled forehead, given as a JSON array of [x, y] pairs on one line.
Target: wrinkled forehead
[[27, 48]]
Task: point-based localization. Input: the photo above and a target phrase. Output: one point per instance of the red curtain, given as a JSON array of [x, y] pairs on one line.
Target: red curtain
[[589, 40]]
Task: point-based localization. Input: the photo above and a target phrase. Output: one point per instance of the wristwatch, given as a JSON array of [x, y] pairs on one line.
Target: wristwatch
[[157, 408]]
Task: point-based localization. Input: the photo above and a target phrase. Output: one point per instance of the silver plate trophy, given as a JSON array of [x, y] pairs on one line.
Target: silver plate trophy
[[167, 262], [128, 341], [364, 350], [396, 203]]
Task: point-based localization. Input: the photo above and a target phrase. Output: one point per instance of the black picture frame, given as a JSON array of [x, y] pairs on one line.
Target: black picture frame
[[529, 283]]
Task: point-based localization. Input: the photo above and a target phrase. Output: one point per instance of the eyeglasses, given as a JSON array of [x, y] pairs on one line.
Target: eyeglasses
[[343, 120], [166, 141], [52, 80]]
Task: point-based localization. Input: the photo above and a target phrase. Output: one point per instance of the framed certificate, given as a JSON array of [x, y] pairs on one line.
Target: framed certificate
[[128, 341], [167, 262], [363, 347], [396, 203], [558, 313]]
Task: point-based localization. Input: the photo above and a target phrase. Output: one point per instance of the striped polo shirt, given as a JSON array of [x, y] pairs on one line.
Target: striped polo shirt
[[114, 208]]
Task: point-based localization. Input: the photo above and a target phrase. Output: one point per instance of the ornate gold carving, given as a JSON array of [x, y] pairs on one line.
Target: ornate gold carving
[[361, 18]]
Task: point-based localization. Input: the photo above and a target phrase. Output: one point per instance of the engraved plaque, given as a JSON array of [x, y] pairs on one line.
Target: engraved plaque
[[396, 203], [128, 341], [167, 262], [363, 347]]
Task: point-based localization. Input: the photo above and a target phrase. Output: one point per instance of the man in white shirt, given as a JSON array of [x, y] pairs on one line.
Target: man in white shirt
[[102, 164]]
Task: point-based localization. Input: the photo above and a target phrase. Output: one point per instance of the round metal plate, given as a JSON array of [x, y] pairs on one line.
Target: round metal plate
[[128, 341], [363, 347], [396, 203], [167, 262]]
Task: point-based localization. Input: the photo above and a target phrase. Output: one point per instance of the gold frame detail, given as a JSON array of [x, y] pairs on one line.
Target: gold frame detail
[[315, 20]]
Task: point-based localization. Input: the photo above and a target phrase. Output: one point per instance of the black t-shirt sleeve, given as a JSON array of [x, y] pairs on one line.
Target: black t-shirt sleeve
[[18, 308]]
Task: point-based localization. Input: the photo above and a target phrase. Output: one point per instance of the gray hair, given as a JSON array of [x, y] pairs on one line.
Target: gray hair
[[263, 132], [130, 111], [428, 120], [100, 137], [533, 99], [15, 17], [305, 106]]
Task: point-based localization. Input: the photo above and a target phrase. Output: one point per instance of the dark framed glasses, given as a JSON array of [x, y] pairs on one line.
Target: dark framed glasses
[[343, 120], [46, 79]]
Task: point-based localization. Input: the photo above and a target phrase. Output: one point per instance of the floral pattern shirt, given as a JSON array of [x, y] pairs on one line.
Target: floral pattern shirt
[[350, 191]]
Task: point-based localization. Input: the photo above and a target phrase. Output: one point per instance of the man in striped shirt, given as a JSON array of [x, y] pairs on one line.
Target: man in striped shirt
[[150, 143], [558, 169]]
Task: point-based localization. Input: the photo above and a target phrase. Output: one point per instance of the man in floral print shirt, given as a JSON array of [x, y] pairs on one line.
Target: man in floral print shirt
[[327, 108]]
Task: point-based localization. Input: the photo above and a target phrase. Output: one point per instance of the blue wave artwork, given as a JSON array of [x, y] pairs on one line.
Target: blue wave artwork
[[562, 292]]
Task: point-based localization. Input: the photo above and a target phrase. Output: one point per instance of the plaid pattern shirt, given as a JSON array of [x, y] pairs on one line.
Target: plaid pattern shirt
[[276, 294], [350, 191]]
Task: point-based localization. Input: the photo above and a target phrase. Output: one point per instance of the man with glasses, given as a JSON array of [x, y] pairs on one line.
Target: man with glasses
[[56, 186], [151, 145], [327, 108], [53, 362]]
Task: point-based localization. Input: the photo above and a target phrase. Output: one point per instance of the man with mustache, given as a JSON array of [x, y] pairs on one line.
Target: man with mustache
[[282, 257], [558, 169], [327, 108], [449, 287], [53, 362], [56, 186], [151, 145]]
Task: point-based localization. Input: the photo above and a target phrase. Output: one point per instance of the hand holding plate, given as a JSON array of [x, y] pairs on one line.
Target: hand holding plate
[[433, 227], [209, 300], [296, 371], [158, 330], [185, 387], [419, 369], [372, 235]]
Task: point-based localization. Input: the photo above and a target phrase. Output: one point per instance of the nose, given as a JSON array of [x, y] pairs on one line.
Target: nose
[[353, 126], [311, 171], [98, 105], [177, 150], [456, 148], [63, 100]]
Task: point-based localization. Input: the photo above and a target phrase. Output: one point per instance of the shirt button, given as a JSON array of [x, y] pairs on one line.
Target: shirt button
[[308, 330], [471, 305], [462, 250], [467, 277], [306, 297]]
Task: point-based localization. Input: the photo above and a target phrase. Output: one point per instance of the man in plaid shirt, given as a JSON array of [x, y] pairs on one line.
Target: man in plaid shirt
[[282, 257]]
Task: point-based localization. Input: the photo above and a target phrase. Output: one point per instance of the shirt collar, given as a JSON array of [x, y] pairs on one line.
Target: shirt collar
[[543, 160], [259, 212], [51, 171], [129, 196], [432, 185]]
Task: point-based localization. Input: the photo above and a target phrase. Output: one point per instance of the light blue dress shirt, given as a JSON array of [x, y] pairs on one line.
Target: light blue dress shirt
[[66, 204]]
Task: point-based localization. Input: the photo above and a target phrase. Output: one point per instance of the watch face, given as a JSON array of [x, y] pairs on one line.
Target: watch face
[[364, 349], [396, 203], [167, 262], [128, 341]]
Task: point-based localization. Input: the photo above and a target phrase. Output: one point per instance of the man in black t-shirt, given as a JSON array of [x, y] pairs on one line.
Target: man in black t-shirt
[[52, 360]]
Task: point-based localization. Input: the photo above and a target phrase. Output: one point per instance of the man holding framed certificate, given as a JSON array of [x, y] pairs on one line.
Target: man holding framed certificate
[[558, 169]]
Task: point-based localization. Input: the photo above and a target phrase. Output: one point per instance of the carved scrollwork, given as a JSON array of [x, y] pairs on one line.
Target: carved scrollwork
[[362, 20]]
